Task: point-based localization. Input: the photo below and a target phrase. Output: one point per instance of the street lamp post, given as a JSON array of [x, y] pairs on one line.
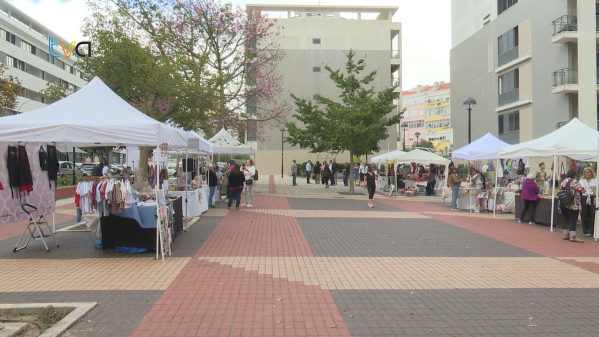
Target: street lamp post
[[417, 134], [469, 104], [282, 135], [20, 106], [404, 125]]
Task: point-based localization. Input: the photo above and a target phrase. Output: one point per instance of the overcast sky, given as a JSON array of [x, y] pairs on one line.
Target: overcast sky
[[426, 29]]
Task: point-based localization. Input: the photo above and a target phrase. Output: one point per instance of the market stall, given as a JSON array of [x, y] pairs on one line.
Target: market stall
[[574, 140], [92, 116], [424, 157]]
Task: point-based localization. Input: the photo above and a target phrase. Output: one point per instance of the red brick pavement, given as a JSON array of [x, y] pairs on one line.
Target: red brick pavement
[[16, 228]]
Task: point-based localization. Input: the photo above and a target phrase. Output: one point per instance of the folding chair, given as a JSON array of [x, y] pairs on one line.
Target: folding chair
[[37, 226]]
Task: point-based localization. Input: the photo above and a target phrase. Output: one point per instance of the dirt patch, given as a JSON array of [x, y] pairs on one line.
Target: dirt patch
[[38, 320]]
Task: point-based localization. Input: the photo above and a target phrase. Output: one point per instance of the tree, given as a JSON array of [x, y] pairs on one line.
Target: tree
[[54, 91], [10, 89], [422, 143], [356, 123]]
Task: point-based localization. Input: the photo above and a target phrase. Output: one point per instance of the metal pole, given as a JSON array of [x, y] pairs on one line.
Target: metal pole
[[74, 174], [469, 124], [282, 133], [404, 139]]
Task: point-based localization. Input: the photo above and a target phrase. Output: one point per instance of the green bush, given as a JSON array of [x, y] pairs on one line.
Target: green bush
[[66, 181]]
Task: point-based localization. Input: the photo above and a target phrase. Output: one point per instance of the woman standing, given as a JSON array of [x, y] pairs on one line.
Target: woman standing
[[530, 196], [317, 169], [587, 201], [454, 183], [345, 174], [326, 174], [570, 210], [248, 190], [236, 180], [431, 181], [370, 182]]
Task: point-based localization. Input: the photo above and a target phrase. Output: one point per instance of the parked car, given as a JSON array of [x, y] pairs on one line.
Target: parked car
[[88, 167], [171, 168], [65, 169]]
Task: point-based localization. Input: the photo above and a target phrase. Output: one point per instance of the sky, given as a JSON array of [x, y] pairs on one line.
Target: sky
[[426, 28]]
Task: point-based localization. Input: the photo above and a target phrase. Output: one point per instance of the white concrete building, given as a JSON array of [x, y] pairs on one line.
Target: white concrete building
[[316, 36], [530, 65], [24, 48]]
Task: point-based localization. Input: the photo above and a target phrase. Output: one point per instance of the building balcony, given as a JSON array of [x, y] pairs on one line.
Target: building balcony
[[565, 29], [565, 81]]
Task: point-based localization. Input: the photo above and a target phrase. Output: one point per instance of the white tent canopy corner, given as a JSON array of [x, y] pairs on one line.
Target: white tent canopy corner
[[420, 156], [229, 145], [386, 157], [485, 147]]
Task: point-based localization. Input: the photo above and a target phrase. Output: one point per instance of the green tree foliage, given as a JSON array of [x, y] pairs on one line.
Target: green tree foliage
[[356, 123], [10, 89], [54, 91]]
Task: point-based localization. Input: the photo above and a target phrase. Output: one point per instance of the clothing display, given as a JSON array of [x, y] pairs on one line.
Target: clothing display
[[52, 163], [13, 170], [19, 172], [99, 196]]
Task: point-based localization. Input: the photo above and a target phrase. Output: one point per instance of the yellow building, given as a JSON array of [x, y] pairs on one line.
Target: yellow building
[[437, 123]]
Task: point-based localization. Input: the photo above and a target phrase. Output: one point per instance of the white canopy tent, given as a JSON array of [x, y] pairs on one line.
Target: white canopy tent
[[92, 116], [486, 147], [229, 145], [575, 140], [385, 158], [423, 157]]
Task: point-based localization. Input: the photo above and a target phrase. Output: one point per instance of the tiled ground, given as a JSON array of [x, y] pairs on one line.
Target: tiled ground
[[309, 261]]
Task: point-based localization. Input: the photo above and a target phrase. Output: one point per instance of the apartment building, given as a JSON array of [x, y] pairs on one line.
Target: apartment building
[[24, 48], [530, 65], [427, 116], [320, 35]]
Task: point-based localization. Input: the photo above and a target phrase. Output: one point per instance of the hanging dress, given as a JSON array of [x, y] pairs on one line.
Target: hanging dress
[[52, 163], [25, 179], [12, 163]]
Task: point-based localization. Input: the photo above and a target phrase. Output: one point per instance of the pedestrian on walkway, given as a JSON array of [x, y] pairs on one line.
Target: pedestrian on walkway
[[334, 170], [236, 182], [570, 210], [454, 183], [431, 181], [587, 215], [248, 191], [294, 172], [317, 168], [370, 184], [361, 172], [308, 170], [212, 183], [356, 173], [530, 196], [322, 171], [326, 174], [345, 175]]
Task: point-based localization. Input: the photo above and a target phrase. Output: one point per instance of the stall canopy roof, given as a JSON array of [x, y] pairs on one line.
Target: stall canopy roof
[[229, 145], [575, 139], [485, 147], [420, 156], [383, 158], [201, 144], [92, 116]]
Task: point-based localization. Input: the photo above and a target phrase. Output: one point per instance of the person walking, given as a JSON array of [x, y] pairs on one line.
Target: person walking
[[236, 182], [309, 170], [212, 183], [454, 182], [361, 172], [431, 181], [587, 201], [317, 169], [370, 184], [294, 172], [345, 174], [248, 191], [326, 174], [356, 173], [334, 170], [530, 196], [571, 209]]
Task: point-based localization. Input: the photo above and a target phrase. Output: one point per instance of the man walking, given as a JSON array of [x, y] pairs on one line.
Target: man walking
[[294, 172], [309, 170], [334, 170]]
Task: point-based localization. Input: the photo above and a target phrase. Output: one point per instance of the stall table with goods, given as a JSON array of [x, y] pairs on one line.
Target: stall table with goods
[[542, 212]]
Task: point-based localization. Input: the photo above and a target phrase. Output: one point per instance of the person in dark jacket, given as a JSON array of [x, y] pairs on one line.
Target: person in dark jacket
[[317, 169], [530, 196], [236, 183], [334, 170], [212, 183], [326, 174], [345, 175]]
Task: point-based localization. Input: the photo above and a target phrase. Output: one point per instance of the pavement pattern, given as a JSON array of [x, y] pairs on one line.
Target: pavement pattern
[[310, 261]]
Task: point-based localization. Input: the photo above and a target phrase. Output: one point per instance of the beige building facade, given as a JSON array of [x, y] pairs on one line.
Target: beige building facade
[[530, 65], [317, 36]]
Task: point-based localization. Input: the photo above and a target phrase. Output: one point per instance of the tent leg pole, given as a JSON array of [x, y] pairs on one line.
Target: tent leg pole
[[495, 189], [186, 196], [54, 211], [553, 190], [596, 213]]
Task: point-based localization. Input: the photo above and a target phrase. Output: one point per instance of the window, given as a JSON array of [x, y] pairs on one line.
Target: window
[[508, 87], [11, 61], [27, 47], [509, 127], [21, 65], [414, 112], [10, 38], [416, 124], [316, 69], [507, 47], [316, 41], [503, 5], [441, 123]]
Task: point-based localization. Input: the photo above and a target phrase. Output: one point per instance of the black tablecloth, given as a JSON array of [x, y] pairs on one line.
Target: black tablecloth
[[542, 212], [126, 232]]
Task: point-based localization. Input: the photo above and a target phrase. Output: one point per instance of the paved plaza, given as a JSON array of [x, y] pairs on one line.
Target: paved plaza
[[310, 261]]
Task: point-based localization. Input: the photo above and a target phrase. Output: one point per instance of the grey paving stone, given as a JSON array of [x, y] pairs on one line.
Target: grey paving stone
[[520, 304], [111, 317], [400, 238], [340, 204]]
